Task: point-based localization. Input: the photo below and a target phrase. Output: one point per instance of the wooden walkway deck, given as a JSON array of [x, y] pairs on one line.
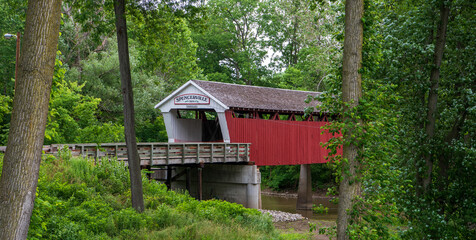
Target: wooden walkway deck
[[161, 154]]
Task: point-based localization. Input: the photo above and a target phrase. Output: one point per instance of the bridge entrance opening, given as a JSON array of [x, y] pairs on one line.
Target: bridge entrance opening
[[208, 119]]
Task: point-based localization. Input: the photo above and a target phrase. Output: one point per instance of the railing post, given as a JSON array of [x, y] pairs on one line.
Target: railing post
[[151, 154], [96, 155], [211, 152], [247, 151], [237, 152], [167, 153], [183, 153], [224, 153], [198, 153]]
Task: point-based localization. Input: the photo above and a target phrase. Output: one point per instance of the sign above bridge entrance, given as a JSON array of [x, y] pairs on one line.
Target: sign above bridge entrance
[[191, 99]]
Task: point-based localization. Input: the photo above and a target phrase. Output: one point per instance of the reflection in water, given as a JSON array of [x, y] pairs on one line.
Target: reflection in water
[[289, 205]]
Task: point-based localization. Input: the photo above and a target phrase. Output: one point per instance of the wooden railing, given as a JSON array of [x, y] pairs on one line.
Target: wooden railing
[[156, 154]]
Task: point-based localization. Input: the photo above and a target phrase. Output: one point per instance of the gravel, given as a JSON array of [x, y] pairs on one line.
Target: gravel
[[279, 216]]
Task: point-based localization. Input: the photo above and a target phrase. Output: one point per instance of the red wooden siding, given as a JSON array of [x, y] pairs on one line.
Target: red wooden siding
[[280, 142]]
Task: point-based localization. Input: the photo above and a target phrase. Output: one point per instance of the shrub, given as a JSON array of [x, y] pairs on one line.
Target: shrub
[[77, 199]]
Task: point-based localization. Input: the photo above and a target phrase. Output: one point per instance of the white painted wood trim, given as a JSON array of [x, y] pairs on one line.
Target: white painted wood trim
[[224, 127], [173, 94]]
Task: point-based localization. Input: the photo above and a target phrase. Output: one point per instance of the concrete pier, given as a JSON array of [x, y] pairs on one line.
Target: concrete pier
[[231, 182], [304, 200]]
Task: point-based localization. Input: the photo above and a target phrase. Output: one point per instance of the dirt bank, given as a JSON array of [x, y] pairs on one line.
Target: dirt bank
[[302, 227]]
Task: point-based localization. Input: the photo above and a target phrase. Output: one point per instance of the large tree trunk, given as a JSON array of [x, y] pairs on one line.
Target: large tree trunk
[[126, 84], [22, 158], [433, 94], [350, 185]]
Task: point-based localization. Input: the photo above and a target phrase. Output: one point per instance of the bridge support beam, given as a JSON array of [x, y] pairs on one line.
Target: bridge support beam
[[230, 182], [188, 180], [200, 182], [168, 182], [304, 200]]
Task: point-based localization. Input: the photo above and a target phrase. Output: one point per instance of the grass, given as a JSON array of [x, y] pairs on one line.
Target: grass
[[77, 199]]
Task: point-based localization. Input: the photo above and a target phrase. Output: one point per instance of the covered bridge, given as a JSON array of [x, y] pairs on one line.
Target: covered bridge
[[271, 119]]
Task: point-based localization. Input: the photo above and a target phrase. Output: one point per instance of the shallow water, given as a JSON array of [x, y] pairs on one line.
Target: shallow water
[[289, 205]]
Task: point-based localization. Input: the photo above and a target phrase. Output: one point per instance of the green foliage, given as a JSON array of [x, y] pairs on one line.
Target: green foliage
[[152, 131], [73, 117], [287, 177], [373, 125], [397, 60], [5, 114], [99, 79], [280, 177], [85, 26], [12, 18], [444, 210], [320, 209], [228, 49], [165, 47], [100, 76], [77, 199], [304, 38]]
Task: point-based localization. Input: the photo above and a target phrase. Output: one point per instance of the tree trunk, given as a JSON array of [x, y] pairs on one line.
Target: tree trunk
[[433, 94], [126, 84], [350, 185], [22, 158]]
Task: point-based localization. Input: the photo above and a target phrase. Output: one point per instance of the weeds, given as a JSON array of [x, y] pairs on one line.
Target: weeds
[[77, 199]]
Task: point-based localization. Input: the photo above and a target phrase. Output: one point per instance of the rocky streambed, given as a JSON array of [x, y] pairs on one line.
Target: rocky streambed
[[279, 216]]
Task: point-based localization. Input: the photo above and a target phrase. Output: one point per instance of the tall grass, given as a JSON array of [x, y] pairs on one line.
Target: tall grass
[[77, 199]]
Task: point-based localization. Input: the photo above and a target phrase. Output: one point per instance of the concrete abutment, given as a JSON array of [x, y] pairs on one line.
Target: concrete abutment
[[231, 182]]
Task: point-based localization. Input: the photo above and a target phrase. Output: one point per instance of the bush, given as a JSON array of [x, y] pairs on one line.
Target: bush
[[79, 200], [287, 177]]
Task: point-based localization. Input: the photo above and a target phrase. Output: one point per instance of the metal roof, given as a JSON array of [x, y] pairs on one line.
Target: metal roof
[[254, 97]]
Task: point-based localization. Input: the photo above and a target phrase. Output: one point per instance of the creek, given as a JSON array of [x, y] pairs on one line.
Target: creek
[[288, 204]]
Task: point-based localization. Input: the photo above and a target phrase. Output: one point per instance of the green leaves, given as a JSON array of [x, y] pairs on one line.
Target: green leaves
[[233, 43], [78, 199], [73, 117], [5, 114]]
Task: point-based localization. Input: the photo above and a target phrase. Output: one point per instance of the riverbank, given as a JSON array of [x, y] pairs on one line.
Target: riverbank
[[286, 202], [319, 193], [297, 227], [302, 227], [297, 223]]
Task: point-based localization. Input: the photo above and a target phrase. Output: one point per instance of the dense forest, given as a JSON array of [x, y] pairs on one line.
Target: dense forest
[[415, 131]]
